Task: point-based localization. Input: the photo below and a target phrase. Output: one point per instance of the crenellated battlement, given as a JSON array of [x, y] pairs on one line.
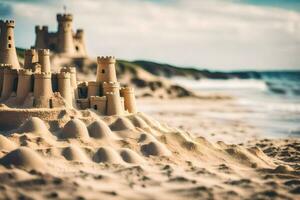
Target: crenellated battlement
[[106, 59], [25, 72], [97, 98], [64, 17], [126, 90], [42, 75], [10, 71], [68, 69], [64, 75], [44, 52], [5, 65], [8, 23], [30, 52]]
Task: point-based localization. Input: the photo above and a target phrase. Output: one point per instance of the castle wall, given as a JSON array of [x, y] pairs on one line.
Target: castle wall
[[42, 89], [129, 99], [64, 87], [106, 70], [113, 106], [25, 82], [99, 104], [111, 87], [8, 53], [10, 79], [83, 103], [93, 88]]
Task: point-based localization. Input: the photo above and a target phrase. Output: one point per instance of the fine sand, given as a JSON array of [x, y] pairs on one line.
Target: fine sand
[[180, 152]]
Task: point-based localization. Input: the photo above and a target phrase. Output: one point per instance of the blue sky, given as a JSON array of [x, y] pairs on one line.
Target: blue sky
[[213, 34]]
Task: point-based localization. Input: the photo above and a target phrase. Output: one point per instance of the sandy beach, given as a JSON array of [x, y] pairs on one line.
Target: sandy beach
[[177, 153]]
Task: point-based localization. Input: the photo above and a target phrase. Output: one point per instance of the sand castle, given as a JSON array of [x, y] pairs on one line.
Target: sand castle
[[64, 41], [35, 85]]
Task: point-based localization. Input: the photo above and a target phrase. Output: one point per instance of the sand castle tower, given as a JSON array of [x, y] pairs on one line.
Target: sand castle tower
[[42, 80], [41, 37], [65, 34], [10, 77], [65, 88], [106, 70], [30, 58], [25, 82], [129, 99], [8, 54]]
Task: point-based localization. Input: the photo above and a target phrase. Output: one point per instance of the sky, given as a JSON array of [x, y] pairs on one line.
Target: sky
[[211, 34]]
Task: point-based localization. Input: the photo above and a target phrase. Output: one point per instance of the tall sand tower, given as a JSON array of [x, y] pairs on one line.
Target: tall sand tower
[[65, 34], [106, 70], [8, 54]]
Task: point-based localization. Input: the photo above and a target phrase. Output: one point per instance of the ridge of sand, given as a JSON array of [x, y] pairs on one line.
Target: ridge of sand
[[137, 157]]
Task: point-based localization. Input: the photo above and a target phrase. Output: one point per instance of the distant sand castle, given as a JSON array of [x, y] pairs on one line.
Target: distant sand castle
[[64, 41], [35, 85]]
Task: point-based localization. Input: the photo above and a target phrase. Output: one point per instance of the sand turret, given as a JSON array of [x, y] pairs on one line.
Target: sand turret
[[129, 99], [30, 58], [10, 78], [113, 104], [41, 37], [42, 89], [2, 68], [111, 87], [64, 87], [65, 34], [8, 54], [25, 81], [44, 60], [106, 70]]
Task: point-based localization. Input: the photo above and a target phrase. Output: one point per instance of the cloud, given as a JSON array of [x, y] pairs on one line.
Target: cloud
[[218, 34]]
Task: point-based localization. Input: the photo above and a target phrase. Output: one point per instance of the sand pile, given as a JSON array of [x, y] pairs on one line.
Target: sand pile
[[121, 123], [131, 156], [107, 155], [74, 128], [100, 130], [6, 144], [24, 158], [74, 153], [33, 125]]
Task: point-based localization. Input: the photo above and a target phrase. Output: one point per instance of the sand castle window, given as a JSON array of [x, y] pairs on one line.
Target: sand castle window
[[103, 71], [9, 37], [95, 107], [9, 45], [77, 48]]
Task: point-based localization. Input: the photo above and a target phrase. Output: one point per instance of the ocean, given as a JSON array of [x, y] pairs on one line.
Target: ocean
[[273, 99]]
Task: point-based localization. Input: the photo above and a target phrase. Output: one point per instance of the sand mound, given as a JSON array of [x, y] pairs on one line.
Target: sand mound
[[24, 158], [246, 157], [99, 129], [130, 156], [151, 122], [155, 149], [121, 123], [107, 154], [74, 153], [146, 137], [6, 144], [34, 125], [75, 128], [138, 122]]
